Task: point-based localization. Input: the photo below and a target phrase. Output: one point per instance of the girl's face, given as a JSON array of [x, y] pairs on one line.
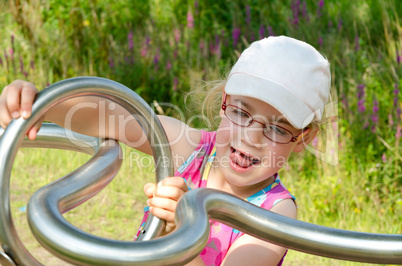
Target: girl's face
[[245, 155]]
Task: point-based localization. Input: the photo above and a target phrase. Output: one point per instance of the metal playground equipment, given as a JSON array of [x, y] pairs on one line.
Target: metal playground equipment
[[194, 210]]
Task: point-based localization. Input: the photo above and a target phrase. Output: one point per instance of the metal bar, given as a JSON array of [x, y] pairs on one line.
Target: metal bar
[[193, 212], [53, 136], [13, 137]]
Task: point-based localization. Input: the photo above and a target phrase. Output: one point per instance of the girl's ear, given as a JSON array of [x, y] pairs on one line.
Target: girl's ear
[[306, 139], [221, 113]]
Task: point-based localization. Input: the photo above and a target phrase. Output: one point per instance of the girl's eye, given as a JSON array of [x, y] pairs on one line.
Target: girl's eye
[[240, 112], [276, 130]]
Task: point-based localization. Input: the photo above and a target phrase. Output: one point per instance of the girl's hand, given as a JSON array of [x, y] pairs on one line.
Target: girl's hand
[[16, 101], [163, 199]]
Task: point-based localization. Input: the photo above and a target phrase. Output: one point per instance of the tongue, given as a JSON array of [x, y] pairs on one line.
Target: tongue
[[241, 160]]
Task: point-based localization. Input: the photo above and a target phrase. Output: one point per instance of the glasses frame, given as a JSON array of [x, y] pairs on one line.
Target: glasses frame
[[293, 139]]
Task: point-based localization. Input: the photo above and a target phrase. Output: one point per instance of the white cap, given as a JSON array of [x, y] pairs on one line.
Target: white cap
[[290, 75]]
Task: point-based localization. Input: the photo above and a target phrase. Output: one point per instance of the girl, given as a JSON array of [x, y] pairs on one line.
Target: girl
[[271, 104]]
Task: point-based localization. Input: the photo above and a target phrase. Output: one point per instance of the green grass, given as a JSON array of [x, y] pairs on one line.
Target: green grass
[[113, 213], [117, 210]]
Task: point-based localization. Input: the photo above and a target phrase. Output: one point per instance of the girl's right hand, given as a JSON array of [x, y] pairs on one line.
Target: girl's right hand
[[163, 199], [16, 101]]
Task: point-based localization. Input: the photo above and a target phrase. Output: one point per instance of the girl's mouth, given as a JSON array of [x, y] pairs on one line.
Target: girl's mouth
[[241, 162]]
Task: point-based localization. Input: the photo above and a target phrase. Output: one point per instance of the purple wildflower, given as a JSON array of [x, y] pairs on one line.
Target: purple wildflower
[[398, 132], [21, 65], [357, 43], [190, 20], [374, 116], [304, 11], [390, 120], [177, 35], [384, 158], [366, 125], [156, 58], [295, 11], [320, 40], [168, 65], [398, 57], [320, 7], [196, 7], [396, 92], [339, 24], [130, 41], [111, 62], [11, 52], [1, 61], [360, 97], [375, 106], [145, 46], [360, 91], [321, 4], [248, 15], [235, 36], [270, 31], [175, 83], [361, 106], [202, 45], [261, 32]]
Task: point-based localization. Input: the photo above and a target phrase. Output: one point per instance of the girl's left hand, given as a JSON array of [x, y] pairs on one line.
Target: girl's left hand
[[163, 199]]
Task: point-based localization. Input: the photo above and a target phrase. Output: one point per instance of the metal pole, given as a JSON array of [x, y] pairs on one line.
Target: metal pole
[[193, 212]]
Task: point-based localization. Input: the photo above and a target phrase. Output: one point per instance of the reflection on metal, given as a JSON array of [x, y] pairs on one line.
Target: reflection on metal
[[5, 260], [192, 214]]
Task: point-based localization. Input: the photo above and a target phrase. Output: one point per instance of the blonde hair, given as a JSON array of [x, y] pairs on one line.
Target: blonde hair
[[207, 97]]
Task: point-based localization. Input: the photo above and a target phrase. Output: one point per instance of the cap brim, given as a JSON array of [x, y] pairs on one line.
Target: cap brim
[[294, 110]]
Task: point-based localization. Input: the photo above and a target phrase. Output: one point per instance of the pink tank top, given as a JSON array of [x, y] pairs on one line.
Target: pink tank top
[[195, 171]]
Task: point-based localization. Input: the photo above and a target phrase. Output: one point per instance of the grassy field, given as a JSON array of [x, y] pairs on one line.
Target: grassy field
[[116, 211], [350, 178]]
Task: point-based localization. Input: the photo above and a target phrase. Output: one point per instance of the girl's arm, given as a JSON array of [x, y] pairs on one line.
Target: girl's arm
[[96, 116], [248, 250]]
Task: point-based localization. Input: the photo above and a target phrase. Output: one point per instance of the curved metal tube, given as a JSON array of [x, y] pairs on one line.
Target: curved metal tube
[[193, 212], [13, 137], [53, 136], [272, 227]]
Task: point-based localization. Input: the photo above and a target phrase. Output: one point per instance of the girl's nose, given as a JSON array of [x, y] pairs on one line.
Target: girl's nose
[[254, 135]]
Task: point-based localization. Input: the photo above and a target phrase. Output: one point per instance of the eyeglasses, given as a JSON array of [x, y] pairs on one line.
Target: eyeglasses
[[271, 131]]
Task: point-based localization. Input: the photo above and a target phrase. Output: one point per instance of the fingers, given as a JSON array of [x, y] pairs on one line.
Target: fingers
[[5, 117], [12, 99], [163, 208], [28, 94], [149, 189], [175, 181], [34, 129], [16, 101], [163, 199]]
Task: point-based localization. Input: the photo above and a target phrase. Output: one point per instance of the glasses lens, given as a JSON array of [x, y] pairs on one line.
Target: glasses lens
[[277, 133], [238, 116]]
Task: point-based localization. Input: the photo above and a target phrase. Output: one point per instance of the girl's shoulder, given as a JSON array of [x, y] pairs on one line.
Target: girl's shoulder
[[183, 139]]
